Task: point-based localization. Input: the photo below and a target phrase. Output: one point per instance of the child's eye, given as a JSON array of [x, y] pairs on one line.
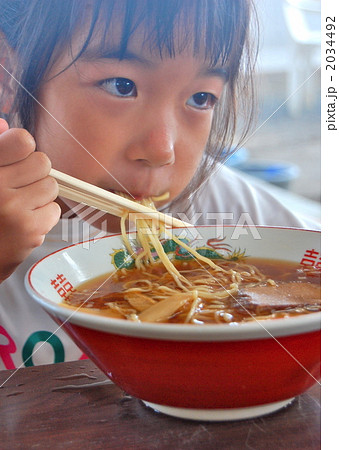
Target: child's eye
[[202, 100], [121, 87]]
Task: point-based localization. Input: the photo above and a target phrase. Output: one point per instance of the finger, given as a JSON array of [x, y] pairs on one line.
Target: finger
[[46, 218], [3, 126], [27, 171], [38, 194], [28, 228], [15, 144]]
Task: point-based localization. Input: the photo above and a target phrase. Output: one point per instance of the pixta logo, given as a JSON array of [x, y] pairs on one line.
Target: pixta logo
[[80, 228]]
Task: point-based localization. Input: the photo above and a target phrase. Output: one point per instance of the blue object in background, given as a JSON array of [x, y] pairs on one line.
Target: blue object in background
[[238, 157], [279, 173]]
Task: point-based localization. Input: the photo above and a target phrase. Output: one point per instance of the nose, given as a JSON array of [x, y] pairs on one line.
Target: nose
[[154, 145]]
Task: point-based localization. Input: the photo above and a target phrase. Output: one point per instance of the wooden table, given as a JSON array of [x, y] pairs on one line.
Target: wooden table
[[73, 405]]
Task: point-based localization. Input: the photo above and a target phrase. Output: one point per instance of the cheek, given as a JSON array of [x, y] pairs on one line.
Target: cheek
[[70, 135], [187, 162], [195, 138]]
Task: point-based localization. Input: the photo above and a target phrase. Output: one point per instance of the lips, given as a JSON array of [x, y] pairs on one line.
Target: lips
[[139, 185], [130, 195], [136, 196]]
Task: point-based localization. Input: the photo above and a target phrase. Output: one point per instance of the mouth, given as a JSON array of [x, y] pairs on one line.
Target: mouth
[[131, 196], [138, 197]]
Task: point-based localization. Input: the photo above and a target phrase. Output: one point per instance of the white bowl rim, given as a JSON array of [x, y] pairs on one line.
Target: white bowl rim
[[257, 329]]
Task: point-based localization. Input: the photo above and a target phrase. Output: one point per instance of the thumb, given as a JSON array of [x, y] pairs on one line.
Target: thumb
[[3, 126]]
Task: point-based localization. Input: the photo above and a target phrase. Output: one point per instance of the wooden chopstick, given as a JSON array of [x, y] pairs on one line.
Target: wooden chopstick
[[83, 192]]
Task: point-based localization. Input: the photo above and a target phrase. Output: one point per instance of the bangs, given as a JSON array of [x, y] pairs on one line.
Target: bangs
[[209, 28], [219, 31]]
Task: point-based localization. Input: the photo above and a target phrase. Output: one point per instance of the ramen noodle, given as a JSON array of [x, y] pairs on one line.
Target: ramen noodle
[[198, 290]]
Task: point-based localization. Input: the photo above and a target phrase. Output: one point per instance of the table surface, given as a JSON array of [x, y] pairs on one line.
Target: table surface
[[74, 405]]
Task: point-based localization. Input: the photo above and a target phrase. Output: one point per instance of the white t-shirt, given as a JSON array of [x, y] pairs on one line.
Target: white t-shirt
[[227, 199], [24, 326]]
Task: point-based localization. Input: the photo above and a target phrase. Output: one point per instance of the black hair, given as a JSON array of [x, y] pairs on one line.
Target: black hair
[[38, 31]]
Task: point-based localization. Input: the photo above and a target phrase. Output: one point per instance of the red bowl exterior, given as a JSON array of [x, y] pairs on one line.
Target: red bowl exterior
[[229, 374]]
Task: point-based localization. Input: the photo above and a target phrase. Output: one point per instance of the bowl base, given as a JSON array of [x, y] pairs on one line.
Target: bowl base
[[220, 414]]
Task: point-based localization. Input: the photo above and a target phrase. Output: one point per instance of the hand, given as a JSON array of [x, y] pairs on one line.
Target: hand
[[27, 208]]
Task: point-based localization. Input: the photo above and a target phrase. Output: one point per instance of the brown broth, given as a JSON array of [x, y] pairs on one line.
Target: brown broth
[[250, 303]]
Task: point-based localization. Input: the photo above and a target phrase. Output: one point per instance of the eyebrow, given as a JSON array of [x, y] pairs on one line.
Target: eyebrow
[[91, 54], [94, 53], [221, 72]]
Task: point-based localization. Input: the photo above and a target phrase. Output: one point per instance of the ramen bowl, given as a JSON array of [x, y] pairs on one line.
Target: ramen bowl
[[199, 372]]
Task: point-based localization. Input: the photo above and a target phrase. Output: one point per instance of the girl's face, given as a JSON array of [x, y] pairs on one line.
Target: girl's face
[[137, 125]]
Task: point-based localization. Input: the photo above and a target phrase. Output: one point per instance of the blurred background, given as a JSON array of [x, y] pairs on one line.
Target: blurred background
[[285, 148]]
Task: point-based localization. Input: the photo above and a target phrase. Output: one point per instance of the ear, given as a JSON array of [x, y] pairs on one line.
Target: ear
[[7, 82]]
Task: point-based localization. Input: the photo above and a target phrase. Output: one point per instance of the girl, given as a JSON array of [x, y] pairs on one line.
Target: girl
[[138, 96]]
